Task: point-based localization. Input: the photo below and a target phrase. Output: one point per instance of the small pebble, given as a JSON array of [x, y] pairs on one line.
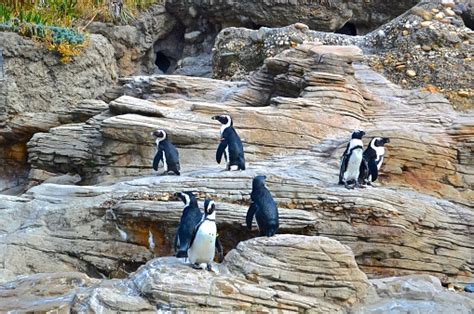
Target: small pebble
[[425, 23], [426, 48], [405, 33], [434, 10], [411, 73], [449, 12], [301, 26], [439, 16], [448, 3]]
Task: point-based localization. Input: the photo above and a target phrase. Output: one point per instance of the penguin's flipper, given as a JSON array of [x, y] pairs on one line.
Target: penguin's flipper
[[373, 171], [194, 233], [363, 171], [250, 213], [220, 251], [176, 240], [221, 150], [343, 168], [158, 158]]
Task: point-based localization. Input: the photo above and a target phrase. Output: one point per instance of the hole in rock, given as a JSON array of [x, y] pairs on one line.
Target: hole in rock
[[348, 29], [162, 62]]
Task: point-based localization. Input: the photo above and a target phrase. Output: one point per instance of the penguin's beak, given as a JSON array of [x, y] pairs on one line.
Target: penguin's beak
[[177, 196], [215, 118], [363, 133], [386, 140]]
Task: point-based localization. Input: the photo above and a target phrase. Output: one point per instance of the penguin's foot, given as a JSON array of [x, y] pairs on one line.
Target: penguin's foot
[[209, 267], [196, 266], [347, 186]]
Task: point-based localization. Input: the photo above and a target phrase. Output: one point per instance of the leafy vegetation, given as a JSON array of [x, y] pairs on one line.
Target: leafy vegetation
[[60, 23]]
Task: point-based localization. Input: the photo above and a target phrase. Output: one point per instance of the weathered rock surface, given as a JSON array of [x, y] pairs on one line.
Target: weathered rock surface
[[305, 101], [136, 44], [39, 92], [285, 272], [408, 50], [319, 15], [422, 294]]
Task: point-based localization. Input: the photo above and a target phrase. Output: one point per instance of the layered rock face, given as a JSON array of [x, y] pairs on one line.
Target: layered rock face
[[39, 92], [423, 48], [284, 273], [294, 117]]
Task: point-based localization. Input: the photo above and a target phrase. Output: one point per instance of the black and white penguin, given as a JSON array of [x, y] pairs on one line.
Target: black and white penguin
[[373, 159], [230, 146], [203, 242], [263, 207], [351, 160], [190, 217], [166, 153]]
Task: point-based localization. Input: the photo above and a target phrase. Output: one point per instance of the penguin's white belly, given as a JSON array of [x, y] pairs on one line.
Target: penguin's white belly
[[353, 166], [226, 155], [165, 164], [203, 248]]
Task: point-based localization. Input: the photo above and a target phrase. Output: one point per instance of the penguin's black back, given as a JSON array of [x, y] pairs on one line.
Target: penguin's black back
[[236, 149], [266, 211], [189, 220], [172, 155]]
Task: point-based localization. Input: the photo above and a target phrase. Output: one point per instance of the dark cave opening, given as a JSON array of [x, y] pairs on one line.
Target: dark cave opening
[[162, 62], [348, 29]]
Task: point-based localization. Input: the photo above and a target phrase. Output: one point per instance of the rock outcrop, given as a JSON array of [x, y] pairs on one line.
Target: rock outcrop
[[294, 117], [423, 48], [38, 92], [283, 273], [136, 44], [261, 274]]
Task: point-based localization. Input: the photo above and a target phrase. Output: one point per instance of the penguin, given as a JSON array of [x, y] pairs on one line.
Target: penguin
[[230, 146], [190, 217], [372, 160], [203, 242], [351, 160], [263, 207], [166, 153]]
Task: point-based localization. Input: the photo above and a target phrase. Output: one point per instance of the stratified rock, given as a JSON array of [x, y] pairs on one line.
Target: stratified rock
[[329, 281], [43, 292], [391, 48], [39, 92]]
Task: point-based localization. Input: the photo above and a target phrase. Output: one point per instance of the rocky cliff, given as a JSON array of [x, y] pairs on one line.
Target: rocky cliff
[[78, 238]]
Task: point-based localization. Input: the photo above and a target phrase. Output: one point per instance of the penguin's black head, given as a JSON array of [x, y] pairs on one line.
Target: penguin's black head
[[223, 119], [209, 206], [258, 182], [159, 134], [380, 141], [358, 134], [186, 197]]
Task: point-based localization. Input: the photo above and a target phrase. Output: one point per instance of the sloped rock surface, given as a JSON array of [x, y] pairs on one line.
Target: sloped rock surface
[[415, 293]]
